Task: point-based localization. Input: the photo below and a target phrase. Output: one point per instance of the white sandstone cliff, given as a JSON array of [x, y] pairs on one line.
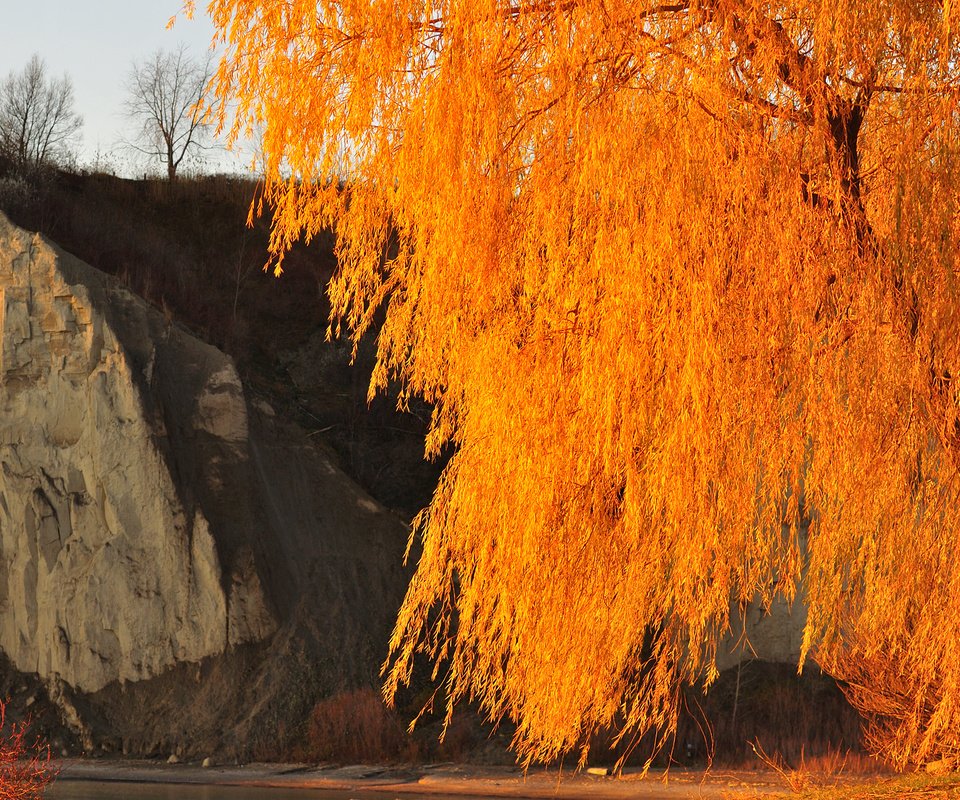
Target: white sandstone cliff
[[108, 568]]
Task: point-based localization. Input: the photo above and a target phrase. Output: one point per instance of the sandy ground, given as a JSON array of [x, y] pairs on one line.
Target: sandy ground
[[439, 779]]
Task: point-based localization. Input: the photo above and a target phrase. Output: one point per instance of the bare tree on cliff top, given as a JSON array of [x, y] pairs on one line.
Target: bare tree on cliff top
[[165, 96], [681, 280], [37, 117]]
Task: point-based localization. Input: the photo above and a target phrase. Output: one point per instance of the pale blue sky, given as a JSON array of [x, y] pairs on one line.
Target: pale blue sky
[[95, 43]]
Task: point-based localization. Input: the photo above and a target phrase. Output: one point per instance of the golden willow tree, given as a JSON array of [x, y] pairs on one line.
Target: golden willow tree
[[680, 280]]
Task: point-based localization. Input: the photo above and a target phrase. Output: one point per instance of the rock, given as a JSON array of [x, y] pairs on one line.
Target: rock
[[109, 569], [207, 762], [599, 771], [61, 696], [173, 759], [168, 542], [765, 631], [264, 408]]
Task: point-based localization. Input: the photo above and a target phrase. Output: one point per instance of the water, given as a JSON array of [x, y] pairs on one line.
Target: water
[[66, 789]]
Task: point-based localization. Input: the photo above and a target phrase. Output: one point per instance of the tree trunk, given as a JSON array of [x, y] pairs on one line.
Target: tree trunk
[[171, 163]]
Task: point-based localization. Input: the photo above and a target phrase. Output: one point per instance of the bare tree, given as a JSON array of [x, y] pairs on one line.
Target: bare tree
[[165, 97], [37, 118]]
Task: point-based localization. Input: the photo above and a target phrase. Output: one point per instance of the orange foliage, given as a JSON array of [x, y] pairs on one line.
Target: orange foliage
[[680, 281], [25, 769]]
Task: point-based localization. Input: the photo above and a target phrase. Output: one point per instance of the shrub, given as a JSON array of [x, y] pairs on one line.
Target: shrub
[[356, 727], [25, 767]]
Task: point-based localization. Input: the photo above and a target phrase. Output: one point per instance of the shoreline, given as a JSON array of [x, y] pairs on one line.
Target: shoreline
[[438, 779]]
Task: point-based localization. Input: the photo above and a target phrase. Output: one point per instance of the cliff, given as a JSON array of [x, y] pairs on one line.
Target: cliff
[[156, 521]]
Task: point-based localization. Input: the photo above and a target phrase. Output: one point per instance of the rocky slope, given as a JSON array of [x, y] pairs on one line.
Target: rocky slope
[[172, 554]]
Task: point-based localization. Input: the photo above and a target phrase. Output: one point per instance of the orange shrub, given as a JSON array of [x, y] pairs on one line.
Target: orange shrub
[[25, 767]]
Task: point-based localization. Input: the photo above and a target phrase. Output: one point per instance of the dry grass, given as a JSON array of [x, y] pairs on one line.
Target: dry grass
[[825, 770], [903, 787]]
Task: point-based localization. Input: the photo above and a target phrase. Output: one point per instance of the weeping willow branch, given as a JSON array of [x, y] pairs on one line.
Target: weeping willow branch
[[679, 280]]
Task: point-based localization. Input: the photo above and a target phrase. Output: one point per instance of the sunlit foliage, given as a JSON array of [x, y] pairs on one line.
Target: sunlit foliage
[[680, 281], [25, 769]]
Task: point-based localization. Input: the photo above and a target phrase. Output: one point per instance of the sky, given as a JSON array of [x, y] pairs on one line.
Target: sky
[[95, 43]]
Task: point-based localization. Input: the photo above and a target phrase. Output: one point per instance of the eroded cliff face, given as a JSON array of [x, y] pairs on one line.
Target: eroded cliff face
[[184, 570], [151, 515], [107, 571]]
